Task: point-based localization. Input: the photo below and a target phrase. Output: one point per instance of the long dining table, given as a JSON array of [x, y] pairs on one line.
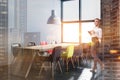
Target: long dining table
[[27, 55]]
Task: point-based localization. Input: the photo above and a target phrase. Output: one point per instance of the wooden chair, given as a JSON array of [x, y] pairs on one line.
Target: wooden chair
[[77, 54]]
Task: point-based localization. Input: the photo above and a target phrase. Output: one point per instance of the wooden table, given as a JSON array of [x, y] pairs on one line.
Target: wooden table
[[27, 55]]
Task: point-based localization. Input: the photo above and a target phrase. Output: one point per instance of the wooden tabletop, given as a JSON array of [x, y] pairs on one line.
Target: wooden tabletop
[[48, 46]]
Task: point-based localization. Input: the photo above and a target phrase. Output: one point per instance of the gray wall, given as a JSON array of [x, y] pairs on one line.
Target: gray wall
[[38, 13]]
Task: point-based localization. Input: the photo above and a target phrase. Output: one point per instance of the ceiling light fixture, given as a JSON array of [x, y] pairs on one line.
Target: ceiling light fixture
[[53, 19]]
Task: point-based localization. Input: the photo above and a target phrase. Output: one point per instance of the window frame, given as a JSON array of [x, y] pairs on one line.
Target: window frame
[[77, 21]]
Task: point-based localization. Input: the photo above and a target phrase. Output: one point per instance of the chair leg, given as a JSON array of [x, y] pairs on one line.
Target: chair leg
[[41, 68], [52, 67], [72, 63], [67, 65], [14, 59], [63, 61], [59, 66], [78, 61]]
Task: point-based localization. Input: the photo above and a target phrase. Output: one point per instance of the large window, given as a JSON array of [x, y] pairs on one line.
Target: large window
[[90, 9], [71, 10], [86, 26], [77, 18], [71, 34]]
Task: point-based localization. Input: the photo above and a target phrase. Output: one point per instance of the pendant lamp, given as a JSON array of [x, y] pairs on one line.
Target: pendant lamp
[[53, 19]]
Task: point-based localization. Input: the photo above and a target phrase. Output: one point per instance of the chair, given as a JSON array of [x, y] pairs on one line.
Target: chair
[[54, 59], [15, 50], [77, 54], [31, 44], [67, 55], [86, 52], [45, 43]]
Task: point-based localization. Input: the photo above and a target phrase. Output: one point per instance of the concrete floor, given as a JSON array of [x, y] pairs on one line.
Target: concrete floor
[[77, 73]]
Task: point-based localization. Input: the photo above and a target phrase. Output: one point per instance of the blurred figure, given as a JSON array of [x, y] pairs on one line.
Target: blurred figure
[[96, 36]]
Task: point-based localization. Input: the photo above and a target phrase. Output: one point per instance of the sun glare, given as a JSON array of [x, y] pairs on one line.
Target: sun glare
[[85, 75], [71, 32], [87, 26]]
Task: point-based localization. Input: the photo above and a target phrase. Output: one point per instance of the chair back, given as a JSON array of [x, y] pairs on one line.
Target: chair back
[[31, 44], [13, 48], [86, 47], [77, 50], [55, 56], [70, 51]]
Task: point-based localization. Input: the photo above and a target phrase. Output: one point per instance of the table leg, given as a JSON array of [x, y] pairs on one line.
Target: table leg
[[28, 70]]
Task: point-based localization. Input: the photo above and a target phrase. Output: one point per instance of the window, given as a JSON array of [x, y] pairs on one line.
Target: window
[[71, 10], [91, 10], [77, 18], [71, 34], [86, 26]]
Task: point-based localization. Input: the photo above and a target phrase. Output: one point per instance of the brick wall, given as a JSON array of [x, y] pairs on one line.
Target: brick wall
[[111, 36], [106, 25], [115, 24], [111, 22], [112, 67], [4, 72]]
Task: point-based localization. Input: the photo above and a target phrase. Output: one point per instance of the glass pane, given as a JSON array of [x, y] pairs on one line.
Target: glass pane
[[71, 10], [71, 32], [87, 26], [90, 9]]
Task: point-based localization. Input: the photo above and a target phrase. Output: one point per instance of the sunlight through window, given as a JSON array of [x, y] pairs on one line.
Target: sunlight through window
[[87, 26], [75, 12], [71, 32], [85, 75]]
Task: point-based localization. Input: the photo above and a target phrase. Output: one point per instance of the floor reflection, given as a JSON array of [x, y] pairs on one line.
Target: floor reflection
[[78, 73]]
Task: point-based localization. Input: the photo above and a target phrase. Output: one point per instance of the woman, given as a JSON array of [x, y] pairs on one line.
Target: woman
[[96, 35]]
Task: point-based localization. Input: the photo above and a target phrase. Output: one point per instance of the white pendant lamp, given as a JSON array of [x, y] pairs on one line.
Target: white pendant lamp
[[53, 19]]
